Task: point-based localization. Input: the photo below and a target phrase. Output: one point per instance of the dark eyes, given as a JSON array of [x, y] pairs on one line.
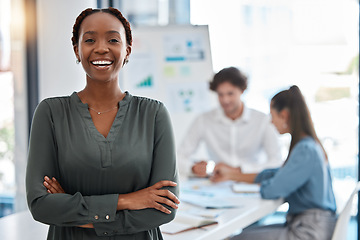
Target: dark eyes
[[113, 40]]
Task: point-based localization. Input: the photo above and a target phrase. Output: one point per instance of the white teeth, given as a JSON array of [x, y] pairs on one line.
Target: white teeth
[[101, 62]]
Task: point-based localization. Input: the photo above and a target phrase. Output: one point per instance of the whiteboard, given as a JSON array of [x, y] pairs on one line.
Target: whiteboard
[[172, 64]]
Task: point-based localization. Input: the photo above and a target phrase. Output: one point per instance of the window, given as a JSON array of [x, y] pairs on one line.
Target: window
[[12, 90], [7, 137], [313, 44]]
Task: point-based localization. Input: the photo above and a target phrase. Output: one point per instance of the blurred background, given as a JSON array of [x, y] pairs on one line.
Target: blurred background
[[311, 43]]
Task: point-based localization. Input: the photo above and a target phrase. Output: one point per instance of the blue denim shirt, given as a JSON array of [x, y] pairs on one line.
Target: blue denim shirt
[[304, 181]]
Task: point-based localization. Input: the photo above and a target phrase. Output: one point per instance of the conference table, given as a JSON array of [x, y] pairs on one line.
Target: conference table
[[236, 210], [231, 210]]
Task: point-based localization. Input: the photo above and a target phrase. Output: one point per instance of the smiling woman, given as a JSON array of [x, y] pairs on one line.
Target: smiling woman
[[107, 158], [102, 47]]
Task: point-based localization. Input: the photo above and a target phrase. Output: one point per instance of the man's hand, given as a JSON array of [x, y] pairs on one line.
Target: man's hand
[[199, 169], [224, 172]]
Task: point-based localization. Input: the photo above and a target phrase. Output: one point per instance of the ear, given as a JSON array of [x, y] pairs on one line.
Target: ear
[[128, 51], [76, 51]]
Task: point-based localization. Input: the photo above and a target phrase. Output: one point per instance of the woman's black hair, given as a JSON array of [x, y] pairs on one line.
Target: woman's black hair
[[89, 11]]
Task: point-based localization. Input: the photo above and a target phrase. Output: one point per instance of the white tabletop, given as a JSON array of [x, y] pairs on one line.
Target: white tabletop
[[21, 226], [250, 208]]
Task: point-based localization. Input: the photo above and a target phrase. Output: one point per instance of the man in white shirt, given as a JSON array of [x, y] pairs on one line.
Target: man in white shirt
[[234, 135]]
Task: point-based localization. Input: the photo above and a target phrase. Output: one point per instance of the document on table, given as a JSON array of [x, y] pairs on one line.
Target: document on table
[[208, 202], [202, 212], [208, 195], [240, 187]]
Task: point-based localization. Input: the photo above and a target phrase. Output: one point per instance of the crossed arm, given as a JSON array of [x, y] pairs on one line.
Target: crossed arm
[[153, 205], [150, 197]]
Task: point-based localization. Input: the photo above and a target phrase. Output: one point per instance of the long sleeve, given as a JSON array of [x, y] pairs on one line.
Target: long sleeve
[[163, 168], [58, 209], [304, 181], [290, 177], [93, 170], [250, 142], [189, 145], [265, 174], [272, 148]]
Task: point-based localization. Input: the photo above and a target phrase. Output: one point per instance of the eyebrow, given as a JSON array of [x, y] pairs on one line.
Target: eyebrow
[[113, 32], [89, 32], [108, 32]]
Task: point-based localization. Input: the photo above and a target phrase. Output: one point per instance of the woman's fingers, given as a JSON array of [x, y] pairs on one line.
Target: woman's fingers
[[48, 185], [164, 183], [168, 194], [166, 201], [52, 185], [162, 208], [165, 196], [154, 196], [58, 186]]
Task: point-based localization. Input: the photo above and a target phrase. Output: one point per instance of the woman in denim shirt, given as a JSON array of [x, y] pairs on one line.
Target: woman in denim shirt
[[304, 181]]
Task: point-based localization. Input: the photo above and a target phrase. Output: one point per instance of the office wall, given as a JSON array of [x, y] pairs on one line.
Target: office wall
[[60, 75], [172, 64], [58, 72]]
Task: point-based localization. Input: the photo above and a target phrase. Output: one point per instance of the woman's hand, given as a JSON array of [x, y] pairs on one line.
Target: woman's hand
[[224, 172], [151, 197], [52, 185]]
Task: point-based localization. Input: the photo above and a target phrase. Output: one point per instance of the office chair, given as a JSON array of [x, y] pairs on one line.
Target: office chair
[[341, 227]]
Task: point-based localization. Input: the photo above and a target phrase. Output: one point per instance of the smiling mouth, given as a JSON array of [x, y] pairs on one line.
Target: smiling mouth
[[102, 63]]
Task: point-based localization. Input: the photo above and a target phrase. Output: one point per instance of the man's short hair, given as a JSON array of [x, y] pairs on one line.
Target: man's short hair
[[231, 75]]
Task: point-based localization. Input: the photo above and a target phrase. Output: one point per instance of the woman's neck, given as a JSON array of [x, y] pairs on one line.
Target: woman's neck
[[101, 97]]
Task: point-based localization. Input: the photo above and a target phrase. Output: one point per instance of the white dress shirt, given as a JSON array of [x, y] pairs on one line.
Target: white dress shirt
[[250, 141]]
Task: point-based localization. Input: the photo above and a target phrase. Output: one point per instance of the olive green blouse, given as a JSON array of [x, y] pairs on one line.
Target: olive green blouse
[[138, 152]]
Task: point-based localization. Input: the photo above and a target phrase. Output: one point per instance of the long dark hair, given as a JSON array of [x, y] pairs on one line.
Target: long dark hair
[[300, 118]]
